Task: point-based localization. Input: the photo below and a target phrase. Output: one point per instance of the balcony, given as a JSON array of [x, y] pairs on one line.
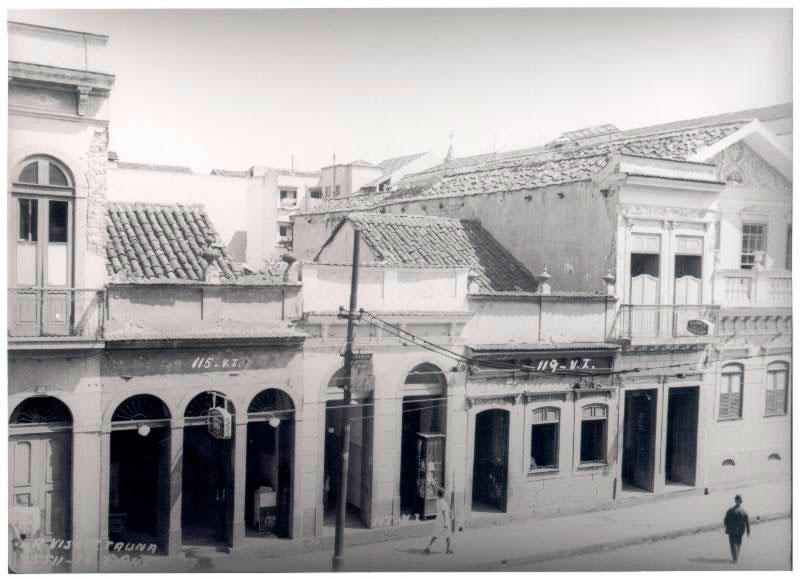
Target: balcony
[[667, 321], [737, 288], [65, 314]]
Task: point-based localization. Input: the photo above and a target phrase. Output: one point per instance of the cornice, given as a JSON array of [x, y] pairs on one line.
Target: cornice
[[100, 83], [39, 114]]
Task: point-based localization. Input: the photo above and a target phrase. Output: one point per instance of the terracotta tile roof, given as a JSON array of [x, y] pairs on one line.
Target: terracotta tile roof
[[158, 241], [544, 166], [422, 241], [392, 165]]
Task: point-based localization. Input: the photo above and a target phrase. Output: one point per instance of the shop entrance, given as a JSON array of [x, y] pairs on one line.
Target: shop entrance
[[681, 463], [639, 440], [206, 513], [270, 458], [490, 467], [358, 479], [139, 486], [424, 412], [39, 477]]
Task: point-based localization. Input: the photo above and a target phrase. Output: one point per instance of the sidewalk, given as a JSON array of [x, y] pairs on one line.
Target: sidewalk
[[531, 541]]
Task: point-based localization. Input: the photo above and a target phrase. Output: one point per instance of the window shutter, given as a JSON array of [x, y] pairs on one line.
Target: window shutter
[[736, 405], [772, 401], [724, 405]]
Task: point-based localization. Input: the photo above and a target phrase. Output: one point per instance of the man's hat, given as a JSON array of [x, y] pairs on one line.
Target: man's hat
[[737, 498]]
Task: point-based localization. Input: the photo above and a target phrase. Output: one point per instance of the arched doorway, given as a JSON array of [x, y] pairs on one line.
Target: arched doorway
[[270, 463], [359, 479], [422, 445], [206, 509], [138, 510], [490, 463], [40, 472]]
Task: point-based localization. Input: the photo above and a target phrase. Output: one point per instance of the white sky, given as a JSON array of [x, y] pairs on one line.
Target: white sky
[[231, 89]]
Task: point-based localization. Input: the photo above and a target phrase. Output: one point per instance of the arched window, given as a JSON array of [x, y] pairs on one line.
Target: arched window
[[728, 462], [774, 456], [41, 410], [43, 190], [594, 434], [544, 438], [731, 392], [777, 391]]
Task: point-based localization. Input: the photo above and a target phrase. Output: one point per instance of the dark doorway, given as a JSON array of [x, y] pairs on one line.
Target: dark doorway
[[270, 456], [139, 485], [421, 414], [360, 463], [139, 480], [490, 468], [681, 463], [639, 444], [207, 477]]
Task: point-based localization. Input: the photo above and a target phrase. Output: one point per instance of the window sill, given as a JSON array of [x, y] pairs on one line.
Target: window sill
[[592, 465], [543, 470], [777, 415], [738, 419]]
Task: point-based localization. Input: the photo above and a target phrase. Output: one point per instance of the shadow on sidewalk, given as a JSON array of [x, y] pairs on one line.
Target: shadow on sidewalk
[[414, 551], [707, 560]]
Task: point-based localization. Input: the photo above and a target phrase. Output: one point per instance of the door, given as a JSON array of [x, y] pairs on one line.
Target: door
[[39, 476], [682, 416], [638, 459], [490, 466], [206, 486], [43, 263], [645, 288]]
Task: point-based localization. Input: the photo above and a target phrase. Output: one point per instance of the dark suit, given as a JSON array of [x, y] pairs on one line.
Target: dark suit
[[736, 523]]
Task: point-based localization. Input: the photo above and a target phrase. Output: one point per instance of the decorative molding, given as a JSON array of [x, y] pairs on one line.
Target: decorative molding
[[83, 100], [741, 167], [546, 396], [99, 82], [662, 213]]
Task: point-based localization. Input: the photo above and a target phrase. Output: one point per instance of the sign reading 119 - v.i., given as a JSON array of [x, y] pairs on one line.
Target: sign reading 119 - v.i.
[[558, 364]]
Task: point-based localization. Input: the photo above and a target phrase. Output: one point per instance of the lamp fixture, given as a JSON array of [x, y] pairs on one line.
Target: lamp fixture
[[143, 430]]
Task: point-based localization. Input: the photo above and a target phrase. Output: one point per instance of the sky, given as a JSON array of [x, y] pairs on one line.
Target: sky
[[235, 88]]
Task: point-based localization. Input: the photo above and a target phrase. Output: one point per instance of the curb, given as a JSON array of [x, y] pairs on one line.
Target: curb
[[604, 547]]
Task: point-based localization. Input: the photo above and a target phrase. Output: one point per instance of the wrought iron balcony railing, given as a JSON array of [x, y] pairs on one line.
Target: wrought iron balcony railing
[[668, 321], [36, 312]]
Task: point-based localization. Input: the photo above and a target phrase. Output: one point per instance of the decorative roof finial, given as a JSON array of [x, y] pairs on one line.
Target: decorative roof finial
[[449, 154]]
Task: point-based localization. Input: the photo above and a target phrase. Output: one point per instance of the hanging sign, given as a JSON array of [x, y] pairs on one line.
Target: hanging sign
[[697, 327], [219, 423], [362, 379]]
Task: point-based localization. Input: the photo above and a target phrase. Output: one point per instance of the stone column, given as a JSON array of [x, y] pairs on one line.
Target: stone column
[[236, 534], [174, 537]]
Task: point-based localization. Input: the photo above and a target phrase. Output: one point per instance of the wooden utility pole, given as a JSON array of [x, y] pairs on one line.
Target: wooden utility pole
[[341, 505]]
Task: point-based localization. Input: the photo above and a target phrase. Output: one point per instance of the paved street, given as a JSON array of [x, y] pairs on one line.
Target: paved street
[[530, 545], [768, 549]]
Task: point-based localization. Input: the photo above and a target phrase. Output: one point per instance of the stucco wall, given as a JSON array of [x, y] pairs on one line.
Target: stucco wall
[[570, 228]]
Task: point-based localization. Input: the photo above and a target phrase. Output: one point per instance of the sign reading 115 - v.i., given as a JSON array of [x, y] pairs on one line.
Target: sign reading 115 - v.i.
[[218, 362]]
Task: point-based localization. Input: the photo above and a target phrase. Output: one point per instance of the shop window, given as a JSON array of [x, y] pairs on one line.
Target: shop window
[[544, 439], [594, 430], [731, 392], [777, 380], [754, 239]]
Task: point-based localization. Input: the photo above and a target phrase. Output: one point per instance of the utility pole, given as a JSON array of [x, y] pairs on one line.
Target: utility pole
[[341, 505]]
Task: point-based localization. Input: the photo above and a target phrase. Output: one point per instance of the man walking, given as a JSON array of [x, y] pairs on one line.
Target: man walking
[[441, 527], [736, 523]]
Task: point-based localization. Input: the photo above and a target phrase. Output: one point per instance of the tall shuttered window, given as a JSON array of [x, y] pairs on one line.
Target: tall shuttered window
[[731, 392], [594, 432], [777, 389]]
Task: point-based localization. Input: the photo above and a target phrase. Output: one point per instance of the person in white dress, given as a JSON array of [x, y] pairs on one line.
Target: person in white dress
[[442, 525]]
